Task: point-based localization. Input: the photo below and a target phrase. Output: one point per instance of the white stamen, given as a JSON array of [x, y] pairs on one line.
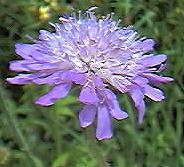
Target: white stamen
[[62, 19], [92, 8]]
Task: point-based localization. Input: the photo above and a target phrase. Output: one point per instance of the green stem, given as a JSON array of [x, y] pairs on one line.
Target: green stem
[[11, 118], [94, 148]]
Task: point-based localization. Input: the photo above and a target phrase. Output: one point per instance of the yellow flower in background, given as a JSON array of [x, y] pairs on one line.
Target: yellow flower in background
[[54, 4], [44, 13]]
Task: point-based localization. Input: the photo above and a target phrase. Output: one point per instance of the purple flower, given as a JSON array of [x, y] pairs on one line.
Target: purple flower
[[97, 54]]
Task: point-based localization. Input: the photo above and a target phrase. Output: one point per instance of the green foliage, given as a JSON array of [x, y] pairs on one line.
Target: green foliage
[[33, 136]]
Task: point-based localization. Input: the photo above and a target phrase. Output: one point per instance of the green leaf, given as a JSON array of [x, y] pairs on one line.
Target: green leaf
[[61, 160]]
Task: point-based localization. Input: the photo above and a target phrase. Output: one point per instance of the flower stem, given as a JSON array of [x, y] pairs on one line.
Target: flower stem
[[94, 148]]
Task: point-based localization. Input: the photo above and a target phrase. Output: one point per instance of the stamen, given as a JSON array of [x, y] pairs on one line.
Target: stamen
[[112, 14], [118, 22], [52, 24], [64, 20], [80, 13], [92, 8], [31, 39], [107, 17]]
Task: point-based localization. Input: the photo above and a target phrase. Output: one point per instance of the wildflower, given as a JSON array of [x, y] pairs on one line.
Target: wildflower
[[97, 54], [44, 13]]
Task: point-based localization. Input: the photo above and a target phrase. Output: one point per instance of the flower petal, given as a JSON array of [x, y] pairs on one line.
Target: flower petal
[[78, 78], [104, 128], [21, 79], [116, 112], [98, 82], [153, 93], [45, 35], [53, 79], [121, 83], [88, 95], [152, 60], [87, 115], [26, 78], [141, 81], [24, 50], [31, 65], [145, 46], [156, 79], [137, 96], [114, 107], [20, 65], [56, 93]]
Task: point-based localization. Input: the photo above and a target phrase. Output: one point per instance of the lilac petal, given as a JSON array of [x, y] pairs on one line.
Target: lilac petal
[[56, 93], [141, 110], [137, 96], [42, 66], [98, 82], [152, 60], [156, 79], [53, 79], [87, 115], [20, 65], [153, 93], [116, 112], [24, 50], [145, 46], [61, 65], [78, 78], [21, 79], [161, 68], [88, 95], [121, 83], [30, 65], [25, 78], [114, 107], [140, 81], [29, 52], [33, 52], [45, 35], [104, 128], [40, 78]]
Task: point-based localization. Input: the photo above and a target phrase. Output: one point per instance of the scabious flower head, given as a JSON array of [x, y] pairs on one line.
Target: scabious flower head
[[98, 55]]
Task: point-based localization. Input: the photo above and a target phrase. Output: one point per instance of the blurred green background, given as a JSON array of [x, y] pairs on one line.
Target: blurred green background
[[33, 136]]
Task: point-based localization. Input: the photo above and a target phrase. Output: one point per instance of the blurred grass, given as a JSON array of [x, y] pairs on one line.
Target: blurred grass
[[33, 136]]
